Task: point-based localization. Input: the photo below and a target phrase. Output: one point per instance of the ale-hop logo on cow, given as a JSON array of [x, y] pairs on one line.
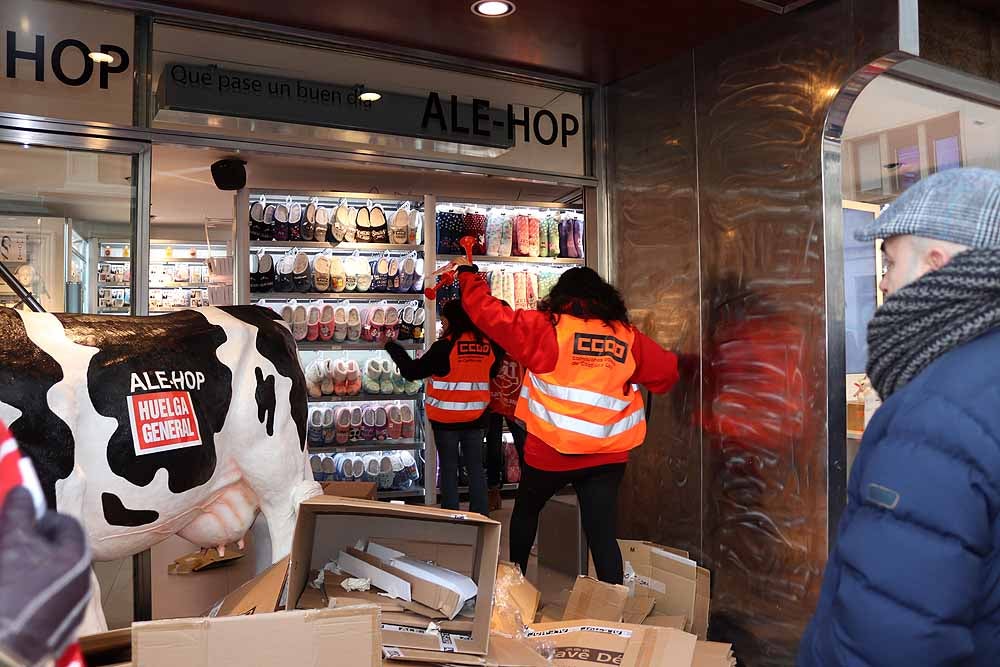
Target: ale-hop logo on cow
[[163, 420]]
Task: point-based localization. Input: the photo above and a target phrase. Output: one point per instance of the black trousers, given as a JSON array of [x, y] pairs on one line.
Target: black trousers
[[494, 446], [597, 491]]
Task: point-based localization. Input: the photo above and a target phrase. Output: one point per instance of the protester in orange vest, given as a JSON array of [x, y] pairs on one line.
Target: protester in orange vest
[[460, 366], [580, 400]]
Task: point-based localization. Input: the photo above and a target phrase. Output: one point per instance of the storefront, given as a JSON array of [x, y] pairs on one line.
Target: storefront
[[112, 121]]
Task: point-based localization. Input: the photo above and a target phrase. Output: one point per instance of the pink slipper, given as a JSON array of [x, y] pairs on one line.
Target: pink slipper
[[326, 326], [353, 378], [374, 323], [381, 424], [520, 290], [534, 231], [357, 422], [343, 421], [395, 422], [522, 236]]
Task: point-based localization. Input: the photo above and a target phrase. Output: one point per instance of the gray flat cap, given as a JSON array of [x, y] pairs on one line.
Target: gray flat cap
[[958, 205]]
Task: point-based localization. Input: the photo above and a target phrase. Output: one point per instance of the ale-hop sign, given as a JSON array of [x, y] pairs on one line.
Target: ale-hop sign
[[223, 92]]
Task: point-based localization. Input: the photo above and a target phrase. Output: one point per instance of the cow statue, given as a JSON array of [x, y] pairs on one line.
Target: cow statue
[[146, 427]]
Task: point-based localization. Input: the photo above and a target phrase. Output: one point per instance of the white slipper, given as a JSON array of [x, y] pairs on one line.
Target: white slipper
[[353, 324], [300, 325], [338, 275], [351, 225], [328, 386], [385, 383], [321, 272], [287, 314], [340, 323], [329, 429], [314, 378], [326, 322]]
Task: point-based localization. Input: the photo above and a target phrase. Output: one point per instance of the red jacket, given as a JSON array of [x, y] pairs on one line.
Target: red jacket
[[530, 338]]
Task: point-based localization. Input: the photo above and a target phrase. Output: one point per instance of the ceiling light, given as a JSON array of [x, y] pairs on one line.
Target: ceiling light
[[99, 57], [493, 8], [370, 96]]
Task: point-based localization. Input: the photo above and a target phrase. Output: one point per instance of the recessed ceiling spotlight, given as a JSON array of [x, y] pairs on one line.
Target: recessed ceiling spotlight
[[370, 96], [99, 57], [493, 8]]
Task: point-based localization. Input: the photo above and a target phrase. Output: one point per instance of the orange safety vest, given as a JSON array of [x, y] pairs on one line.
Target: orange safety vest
[[586, 405], [464, 394]]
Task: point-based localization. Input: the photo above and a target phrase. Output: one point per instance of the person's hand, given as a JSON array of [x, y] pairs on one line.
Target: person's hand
[[44, 579], [461, 261]]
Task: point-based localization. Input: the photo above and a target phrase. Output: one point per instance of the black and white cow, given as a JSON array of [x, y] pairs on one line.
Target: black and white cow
[[146, 427]]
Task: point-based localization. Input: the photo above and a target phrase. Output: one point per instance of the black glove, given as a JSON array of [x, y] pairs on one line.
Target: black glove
[[44, 580]]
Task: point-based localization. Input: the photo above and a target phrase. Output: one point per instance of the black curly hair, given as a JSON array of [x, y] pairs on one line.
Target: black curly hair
[[459, 321], [581, 292]]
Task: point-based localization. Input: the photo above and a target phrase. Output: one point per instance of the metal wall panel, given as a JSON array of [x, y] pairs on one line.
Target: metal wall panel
[[718, 203]]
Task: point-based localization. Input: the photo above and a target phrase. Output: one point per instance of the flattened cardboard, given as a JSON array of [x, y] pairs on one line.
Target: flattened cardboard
[[258, 596], [326, 525], [582, 643], [713, 654], [313, 598], [660, 621], [593, 599], [366, 490], [521, 597], [510, 652], [422, 591], [392, 654], [638, 609], [457, 557], [305, 638], [107, 648]]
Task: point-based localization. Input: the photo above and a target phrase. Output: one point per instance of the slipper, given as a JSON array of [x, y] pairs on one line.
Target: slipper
[[295, 222], [386, 476], [393, 277], [496, 283], [373, 377], [365, 278], [328, 385], [287, 313], [407, 274], [254, 273], [343, 428], [351, 225], [321, 272], [410, 465], [299, 323], [312, 323], [418, 324], [412, 387], [326, 326], [398, 383], [379, 226], [380, 274], [329, 470], [267, 226], [475, 226], [309, 220], [506, 235], [399, 226], [372, 462], [314, 378], [374, 322], [314, 433], [364, 226], [395, 423], [418, 277], [565, 238], [281, 222], [400, 479], [337, 224], [340, 323], [385, 383], [283, 281], [406, 321], [265, 273], [338, 276], [415, 232], [391, 329], [340, 377], [520, 301], [534, 236], [353, 324], [357, 422], [381, 424], [257, 218], [301, 272], [532, 289], [408, 426], [509, 292], [315, 460], [368, 423], [494, 228], [553, 232], [353, 378], [350, 274], [322, 230]]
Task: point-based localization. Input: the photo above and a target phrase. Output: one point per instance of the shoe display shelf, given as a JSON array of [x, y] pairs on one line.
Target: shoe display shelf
[[349, 260], [114, 277]]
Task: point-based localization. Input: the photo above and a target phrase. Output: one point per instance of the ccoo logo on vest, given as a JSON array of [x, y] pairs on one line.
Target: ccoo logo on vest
[[598, 345], [62, 58], [473, 349]]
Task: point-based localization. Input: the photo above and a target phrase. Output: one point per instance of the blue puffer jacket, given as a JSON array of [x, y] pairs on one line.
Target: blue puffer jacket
[[914, 577]]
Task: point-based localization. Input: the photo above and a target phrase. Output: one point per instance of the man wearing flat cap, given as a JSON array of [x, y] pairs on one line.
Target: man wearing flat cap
[[914, 572]]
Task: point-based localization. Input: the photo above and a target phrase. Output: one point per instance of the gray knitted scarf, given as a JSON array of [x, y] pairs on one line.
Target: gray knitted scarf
[[927, 318]]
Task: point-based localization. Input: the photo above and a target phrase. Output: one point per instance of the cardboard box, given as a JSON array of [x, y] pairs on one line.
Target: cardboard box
[[263, 640], [679, 586], [258, 596], [713, 654], [107, 648], [515, 601], [365, 490], [583, 643], [327, 525], [593, 599]]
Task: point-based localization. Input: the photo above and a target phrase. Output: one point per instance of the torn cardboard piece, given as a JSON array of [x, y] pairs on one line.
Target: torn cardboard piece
[[515, 601], [713, 654], [593, 599], [455, 557], [258, 596], [263, 639], [582, 643], [365, 490], [638, 610]]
